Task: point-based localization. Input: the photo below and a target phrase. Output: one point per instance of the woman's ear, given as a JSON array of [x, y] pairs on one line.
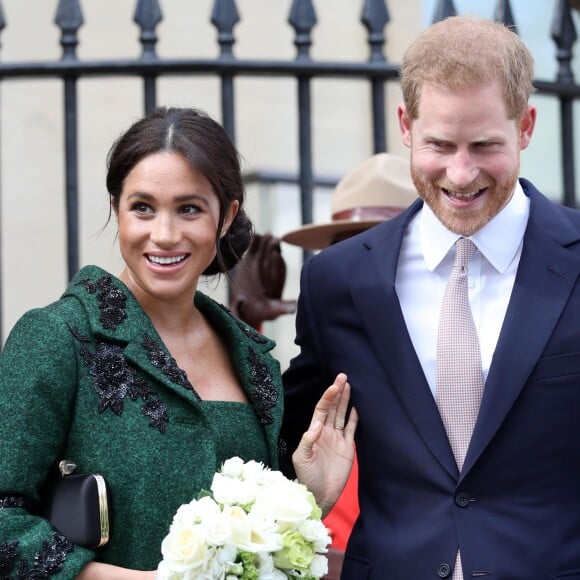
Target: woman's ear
[[230, 217]]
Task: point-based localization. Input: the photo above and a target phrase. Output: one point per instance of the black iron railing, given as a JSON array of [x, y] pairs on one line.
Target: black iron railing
[[303, 68]]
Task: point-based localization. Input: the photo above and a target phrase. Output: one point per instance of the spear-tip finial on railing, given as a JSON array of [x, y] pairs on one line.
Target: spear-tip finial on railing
[[69, 18], [375, 17], [224, 17], [147, 16], [504, 14], [303, 19], [564, 35], [443, 10]]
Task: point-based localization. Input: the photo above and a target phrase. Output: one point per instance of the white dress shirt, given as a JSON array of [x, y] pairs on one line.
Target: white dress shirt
[[425, 262]]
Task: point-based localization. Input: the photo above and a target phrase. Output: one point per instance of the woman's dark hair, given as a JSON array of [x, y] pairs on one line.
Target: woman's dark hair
[[206, 146]]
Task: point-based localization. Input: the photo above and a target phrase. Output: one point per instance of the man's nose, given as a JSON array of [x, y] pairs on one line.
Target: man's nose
[[462, 169]]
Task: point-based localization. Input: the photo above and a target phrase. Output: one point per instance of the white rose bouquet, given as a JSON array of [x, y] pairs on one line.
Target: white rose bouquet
[[255, 524]]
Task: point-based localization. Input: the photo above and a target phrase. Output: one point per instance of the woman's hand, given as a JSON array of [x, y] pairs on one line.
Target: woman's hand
[[100, 571], [324, 456]]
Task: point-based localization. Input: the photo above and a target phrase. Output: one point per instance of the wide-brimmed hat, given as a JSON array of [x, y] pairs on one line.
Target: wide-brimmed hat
[[376, 190]]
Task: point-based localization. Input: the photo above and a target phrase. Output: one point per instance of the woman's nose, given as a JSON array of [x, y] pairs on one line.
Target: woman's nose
[[165, 232]]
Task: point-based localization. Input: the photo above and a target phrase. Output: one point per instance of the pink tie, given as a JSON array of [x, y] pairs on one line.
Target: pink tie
[[459, 376]]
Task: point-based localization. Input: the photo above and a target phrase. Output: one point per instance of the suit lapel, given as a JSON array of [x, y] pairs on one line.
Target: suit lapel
[[546, 275], [375, 298]]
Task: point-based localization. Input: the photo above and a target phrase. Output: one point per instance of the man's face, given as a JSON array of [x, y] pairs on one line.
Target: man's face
[[465, 152]]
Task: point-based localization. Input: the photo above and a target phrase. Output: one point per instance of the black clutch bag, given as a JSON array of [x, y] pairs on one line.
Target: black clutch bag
[[77, 506]]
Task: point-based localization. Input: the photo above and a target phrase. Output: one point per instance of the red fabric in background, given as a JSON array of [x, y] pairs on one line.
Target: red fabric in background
[[342, 516]]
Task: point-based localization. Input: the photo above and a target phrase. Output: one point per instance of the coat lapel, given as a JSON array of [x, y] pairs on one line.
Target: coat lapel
[[547, 273], [375, 298], [115, 317]]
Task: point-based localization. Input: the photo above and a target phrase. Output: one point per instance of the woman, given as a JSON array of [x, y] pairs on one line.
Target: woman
[[142, 378]]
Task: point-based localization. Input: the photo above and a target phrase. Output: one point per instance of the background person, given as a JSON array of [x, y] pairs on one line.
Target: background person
[[463, 468], [140, 377]]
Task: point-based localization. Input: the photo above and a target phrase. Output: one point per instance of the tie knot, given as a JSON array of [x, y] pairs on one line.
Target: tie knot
[[464, 249]]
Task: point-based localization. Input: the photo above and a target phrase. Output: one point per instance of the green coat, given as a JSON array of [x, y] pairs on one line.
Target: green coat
[[88, 378]]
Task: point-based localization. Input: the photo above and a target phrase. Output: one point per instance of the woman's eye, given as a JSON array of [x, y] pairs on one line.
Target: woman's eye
[[141, 208], [190, 209]]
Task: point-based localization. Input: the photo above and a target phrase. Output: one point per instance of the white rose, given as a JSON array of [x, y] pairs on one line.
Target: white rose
[[262, 517], [184, 548], [233, 467], [253, 471], [228, 491], [317, 533], [207, 508], [239, 526], [186, 514], [289, 505], [274, 478], [244, 536], [319, 566], [216, 529], [163, 572]]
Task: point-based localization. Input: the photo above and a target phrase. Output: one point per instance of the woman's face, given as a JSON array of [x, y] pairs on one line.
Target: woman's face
[[167, 216]]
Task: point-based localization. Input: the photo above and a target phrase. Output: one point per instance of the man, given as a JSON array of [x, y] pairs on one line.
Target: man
[[466, 468]]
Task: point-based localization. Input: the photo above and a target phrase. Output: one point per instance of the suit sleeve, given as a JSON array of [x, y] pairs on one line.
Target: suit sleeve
[[308, 375], [38, 382]]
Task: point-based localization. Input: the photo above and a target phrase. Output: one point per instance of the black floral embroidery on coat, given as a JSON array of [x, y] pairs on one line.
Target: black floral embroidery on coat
[[111, 301], [250, 332], [47, 562], [282, 447], [114, 379], [12, 501], [7, 558], [161, 360], [264, 393]]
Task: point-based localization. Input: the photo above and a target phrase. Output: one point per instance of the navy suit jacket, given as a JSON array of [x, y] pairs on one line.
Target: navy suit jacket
[[515, 508]]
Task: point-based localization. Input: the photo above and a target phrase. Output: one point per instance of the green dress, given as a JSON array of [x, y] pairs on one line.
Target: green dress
[[88, 378]]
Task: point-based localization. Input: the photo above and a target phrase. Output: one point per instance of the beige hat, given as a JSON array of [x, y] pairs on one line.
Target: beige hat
[[376, 190]]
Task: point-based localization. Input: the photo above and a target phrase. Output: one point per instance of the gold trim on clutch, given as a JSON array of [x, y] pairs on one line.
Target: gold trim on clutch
[[103, 509]]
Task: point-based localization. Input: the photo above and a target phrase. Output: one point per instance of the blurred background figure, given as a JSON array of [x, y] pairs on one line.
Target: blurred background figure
[[258, 283], [377, 189]]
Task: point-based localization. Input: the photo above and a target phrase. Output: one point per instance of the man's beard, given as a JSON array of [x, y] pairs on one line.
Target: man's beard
[[469, 220]]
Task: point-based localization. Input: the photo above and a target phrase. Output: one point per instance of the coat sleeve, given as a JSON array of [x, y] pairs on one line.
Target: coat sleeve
[[308, 374], [38, 382]]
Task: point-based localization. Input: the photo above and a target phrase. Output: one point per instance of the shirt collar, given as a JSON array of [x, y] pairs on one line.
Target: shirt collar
[[499, 240]]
